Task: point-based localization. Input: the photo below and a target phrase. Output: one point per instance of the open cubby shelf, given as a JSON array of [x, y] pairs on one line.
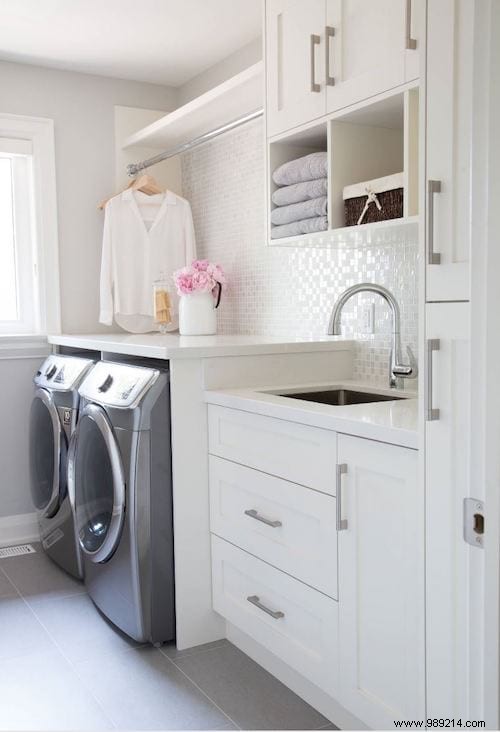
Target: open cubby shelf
[[376, 139]]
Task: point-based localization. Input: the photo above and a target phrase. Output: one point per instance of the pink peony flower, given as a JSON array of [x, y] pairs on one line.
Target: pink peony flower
[[200, 276], [216, 272], [202, 282], [184, 283]]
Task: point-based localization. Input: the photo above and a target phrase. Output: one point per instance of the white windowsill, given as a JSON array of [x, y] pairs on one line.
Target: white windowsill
[[23, 345]]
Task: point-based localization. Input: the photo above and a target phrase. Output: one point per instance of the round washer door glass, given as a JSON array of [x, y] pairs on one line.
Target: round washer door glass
[[45, 442], [98, 486]]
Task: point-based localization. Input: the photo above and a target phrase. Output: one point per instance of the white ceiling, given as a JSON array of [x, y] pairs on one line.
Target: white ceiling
[[160, 41]]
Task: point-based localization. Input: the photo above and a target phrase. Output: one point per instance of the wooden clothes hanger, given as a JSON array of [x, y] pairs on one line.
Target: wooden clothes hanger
[[144, 183]]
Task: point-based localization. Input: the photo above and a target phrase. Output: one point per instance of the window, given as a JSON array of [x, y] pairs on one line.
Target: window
[[29, 273], [18, 281]]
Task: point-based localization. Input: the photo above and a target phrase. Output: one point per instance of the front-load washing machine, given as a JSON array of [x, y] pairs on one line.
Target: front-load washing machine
[[120, 485], [52, 421]]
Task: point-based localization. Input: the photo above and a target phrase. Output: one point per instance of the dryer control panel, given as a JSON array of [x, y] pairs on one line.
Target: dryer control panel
[[117, 385], [62, 373]]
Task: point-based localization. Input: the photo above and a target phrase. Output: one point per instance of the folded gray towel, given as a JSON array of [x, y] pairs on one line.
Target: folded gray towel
[[306, 226], [310, 167], [300, 192], [299, 211]]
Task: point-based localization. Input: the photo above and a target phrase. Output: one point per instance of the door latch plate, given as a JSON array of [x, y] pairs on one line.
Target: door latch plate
[[474, 522]]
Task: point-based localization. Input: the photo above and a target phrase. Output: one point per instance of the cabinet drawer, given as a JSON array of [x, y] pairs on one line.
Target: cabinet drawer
[[302, 629], [304, 544], [296, 452]]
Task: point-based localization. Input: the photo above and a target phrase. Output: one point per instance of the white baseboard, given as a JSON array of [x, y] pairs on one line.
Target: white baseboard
[[19, 529], [313, 695]]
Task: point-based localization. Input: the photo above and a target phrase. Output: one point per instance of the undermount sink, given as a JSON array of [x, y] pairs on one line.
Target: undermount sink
[[341, 397]]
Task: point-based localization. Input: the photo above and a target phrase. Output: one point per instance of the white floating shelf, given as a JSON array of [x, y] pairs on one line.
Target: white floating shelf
[[378, 234], [240, 95]]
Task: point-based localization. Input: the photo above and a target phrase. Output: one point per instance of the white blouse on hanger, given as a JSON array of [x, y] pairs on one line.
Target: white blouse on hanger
[[137, 249]]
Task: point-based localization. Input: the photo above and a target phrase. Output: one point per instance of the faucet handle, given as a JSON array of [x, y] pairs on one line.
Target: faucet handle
[[413, 362], [409, 370]]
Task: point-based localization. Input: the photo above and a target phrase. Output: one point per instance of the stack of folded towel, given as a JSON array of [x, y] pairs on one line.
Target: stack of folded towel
[[301, 200]]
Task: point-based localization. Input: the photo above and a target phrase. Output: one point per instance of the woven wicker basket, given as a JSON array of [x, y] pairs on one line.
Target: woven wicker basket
[[375, 200]]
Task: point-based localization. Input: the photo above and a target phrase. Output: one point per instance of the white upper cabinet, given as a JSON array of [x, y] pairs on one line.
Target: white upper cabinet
[[295, 62], [324, 55], [372, 47], [381, 583], [450, 28]]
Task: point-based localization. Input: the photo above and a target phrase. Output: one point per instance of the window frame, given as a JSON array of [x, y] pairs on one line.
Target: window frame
[[39, 132]]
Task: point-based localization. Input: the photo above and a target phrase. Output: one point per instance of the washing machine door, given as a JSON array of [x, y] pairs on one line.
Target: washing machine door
[[96, 484], [48, 450]]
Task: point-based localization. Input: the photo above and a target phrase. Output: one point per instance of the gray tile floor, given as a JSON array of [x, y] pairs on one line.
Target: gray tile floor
[[64, 667]]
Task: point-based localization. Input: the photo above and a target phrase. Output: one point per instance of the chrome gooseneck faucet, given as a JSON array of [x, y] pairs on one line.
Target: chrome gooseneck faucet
[[397, 369]]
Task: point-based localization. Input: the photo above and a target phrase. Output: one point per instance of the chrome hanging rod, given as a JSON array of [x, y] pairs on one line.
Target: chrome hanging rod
[[134, 168]]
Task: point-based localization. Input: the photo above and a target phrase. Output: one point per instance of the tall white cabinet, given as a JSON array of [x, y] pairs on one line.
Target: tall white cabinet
[[450, 37], [447, 471], [454, 595]]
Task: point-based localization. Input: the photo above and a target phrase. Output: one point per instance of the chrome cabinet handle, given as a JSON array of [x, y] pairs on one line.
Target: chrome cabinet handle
[[433, 186], [341, 470], [329, 33], [410, 43], [431, 413], [315, 41], [255, 515], [276, 614]]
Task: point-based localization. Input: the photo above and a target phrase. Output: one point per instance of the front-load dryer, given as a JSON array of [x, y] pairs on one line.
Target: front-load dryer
[[120, 485], [52, 421]]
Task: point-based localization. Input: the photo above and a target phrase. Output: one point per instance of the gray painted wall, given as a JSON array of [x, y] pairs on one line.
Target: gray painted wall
[[81, 106]]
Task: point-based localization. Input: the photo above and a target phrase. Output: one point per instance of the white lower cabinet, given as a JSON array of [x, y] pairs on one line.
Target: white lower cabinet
[[330, 580], [293, 621], [381, 583]]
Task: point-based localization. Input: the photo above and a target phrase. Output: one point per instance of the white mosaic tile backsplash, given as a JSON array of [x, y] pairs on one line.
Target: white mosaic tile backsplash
[[286, 291]]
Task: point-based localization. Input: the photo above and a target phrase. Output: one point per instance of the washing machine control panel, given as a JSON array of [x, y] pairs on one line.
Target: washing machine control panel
[[117, 385], [62, 373]]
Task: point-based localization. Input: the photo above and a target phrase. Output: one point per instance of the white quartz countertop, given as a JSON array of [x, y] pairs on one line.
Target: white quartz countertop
[[174, 346], [394, 422]]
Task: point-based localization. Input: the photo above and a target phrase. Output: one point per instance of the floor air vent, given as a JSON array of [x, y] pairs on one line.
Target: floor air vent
[[16, 551]]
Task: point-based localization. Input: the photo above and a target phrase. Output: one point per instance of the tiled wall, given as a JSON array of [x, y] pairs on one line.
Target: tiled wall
[[288, 291]]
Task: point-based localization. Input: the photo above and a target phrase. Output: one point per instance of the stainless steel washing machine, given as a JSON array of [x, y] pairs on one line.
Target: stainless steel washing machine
[[52, 421], [120, 484]]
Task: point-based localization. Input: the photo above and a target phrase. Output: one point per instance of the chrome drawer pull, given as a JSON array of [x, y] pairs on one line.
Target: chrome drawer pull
[[315, 41], [340, 471], [254, 514], [410, 43], [431, 413], [433, 186], [329, 33], [276, 614]]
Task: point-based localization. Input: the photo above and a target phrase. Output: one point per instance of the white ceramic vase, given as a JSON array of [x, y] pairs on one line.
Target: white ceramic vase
[[197, 314]]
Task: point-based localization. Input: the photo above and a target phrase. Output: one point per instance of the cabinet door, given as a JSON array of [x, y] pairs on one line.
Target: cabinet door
[[367, 52], [450, 27], [453, 566], [381, 583], [295, 63]]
